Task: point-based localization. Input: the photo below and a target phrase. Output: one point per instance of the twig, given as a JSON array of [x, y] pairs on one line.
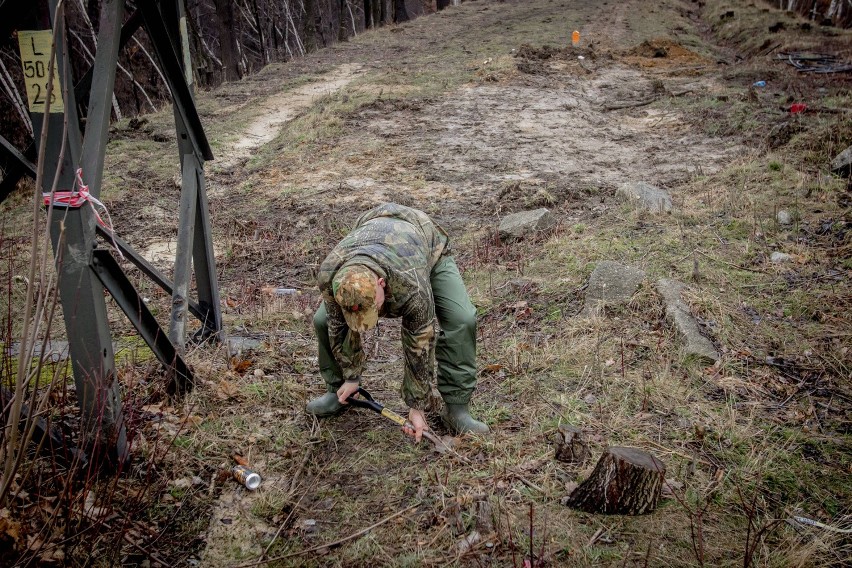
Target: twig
[[527, 482], [147, 553], [294, 480], [731, 264], [332, 544], [813, 523], [678, 454], [828, 110], [439, 533], [596, 536], [284, 524]]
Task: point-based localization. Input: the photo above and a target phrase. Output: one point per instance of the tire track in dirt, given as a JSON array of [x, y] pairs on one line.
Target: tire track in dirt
[[608, 28]]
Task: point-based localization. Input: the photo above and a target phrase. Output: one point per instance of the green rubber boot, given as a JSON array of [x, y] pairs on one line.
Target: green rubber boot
[[457, 418], [326, 405]]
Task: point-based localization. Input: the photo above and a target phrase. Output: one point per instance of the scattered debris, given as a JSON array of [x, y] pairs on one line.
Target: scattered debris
[[53, 350], [239, 344], [813, 523], [815, 62], [181, 483], [274, 291], [92, 511], [245, 476]]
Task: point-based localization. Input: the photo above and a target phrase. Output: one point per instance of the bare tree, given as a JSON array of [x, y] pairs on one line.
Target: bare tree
[[400, 13], [228, 39]]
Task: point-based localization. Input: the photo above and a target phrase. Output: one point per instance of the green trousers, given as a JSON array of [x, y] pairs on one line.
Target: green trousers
[[455, 352]]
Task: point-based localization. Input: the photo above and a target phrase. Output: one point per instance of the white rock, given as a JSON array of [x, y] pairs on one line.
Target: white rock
[[468, 542], [779, 257], [784, 217]]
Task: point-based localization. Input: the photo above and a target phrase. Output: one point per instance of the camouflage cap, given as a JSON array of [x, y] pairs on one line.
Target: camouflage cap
[[355, 292]]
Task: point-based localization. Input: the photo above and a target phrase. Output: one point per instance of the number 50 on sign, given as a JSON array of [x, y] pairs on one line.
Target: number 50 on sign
[[35, 49]]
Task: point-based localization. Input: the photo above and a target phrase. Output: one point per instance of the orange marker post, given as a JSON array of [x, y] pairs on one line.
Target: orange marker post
[[575, 38]]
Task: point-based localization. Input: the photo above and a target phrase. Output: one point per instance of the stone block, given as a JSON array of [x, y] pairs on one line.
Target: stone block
[[516, 225]]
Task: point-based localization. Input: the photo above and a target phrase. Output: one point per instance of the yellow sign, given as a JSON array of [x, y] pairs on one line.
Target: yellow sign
[[35, 49]]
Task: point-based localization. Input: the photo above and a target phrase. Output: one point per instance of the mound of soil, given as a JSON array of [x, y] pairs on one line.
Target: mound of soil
[[527, 51], [546, 59], [545, 52], [662, 52]]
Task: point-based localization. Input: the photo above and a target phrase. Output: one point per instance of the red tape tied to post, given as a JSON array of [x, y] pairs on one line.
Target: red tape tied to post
[[79, 198]]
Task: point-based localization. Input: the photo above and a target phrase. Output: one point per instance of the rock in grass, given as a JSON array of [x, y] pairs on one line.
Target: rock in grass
[[517, 225], [468, 542], [642, 194], [779, 257], [697, 346], [784, 217], [612, 283], [842, 164]]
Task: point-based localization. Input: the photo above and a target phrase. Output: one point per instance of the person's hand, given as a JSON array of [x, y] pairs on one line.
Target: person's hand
[[418, 421], [346, 390]]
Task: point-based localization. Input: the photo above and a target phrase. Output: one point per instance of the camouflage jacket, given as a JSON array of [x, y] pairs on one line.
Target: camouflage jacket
[[401, 245]]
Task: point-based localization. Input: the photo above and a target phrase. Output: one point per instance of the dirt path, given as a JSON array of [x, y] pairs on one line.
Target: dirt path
[[277, 109], [269, 114]]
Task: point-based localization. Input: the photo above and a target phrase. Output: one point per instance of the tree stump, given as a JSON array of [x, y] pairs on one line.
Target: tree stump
[[626, 481], [570, 446]]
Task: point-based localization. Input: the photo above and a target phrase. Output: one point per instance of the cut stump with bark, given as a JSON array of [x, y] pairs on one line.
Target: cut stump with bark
[[570, 445], [626, 481]]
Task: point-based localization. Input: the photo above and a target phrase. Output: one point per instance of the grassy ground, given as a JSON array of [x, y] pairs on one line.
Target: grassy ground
[[749, 442]]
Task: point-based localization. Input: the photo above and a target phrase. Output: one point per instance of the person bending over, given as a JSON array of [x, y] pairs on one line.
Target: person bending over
[[396, 263]]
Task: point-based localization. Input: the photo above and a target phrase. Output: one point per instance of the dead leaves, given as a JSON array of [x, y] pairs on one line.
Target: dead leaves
[[521, 310], [227, 390], [10, 529], [92, 511], [240, 365]]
